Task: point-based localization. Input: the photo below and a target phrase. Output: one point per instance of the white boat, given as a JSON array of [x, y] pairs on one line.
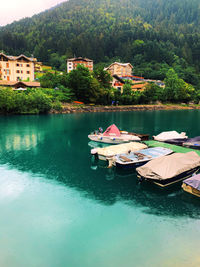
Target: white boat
[[164, 136], [113, 135], [107, 153]]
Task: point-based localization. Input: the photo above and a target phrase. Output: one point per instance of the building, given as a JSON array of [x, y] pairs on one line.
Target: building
[[72, 63], [120, 69], [20, 68]]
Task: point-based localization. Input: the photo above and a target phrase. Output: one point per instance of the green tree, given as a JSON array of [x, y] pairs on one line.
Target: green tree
[[83, 85], [104, 78], [176, 90]]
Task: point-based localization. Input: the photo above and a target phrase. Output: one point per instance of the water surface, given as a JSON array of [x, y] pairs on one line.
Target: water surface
[[59, 208]]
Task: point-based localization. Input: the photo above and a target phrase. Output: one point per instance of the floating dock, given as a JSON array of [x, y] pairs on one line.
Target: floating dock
[[177, 149]]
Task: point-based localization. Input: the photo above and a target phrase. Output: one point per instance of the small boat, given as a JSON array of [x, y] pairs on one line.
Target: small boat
[[170, 135], [139, 158], [192, 185], [105, 153], [112, 135], [192, 142], [170, 169]]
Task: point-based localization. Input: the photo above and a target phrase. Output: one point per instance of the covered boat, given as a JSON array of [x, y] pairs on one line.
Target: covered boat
[[112, 135], [135, 159], [169, 135], [192, 185], [192, 142], [109, 152], [170, 169]]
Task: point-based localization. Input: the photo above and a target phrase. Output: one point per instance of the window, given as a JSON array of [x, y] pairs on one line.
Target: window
[[21, 71], [17, 65], [17, 71], [21, 65], [7, 65], [7, 72], [27, 65], [28, 72], [18, 78]]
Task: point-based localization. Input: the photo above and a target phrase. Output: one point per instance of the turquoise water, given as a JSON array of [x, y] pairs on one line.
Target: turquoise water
[[59, 208]]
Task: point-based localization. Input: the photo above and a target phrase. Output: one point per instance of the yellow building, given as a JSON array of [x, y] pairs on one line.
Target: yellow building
[[20, 68], [120, 69]]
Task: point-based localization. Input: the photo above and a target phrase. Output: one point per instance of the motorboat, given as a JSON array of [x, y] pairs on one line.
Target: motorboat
[[170, 135], [170, 169], [107, 153], [139, 158], [192, 185], [112, 135]]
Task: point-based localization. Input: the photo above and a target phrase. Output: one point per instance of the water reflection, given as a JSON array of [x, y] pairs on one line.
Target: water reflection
[[57, 148]]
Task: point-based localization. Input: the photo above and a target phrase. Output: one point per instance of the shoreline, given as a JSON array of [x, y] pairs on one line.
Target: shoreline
[[72, 108]]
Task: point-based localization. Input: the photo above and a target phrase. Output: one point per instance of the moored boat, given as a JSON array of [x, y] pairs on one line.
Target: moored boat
[[109, 152], [136, 159], [192, 185], [112, 135], [170, 135], [170, 169]]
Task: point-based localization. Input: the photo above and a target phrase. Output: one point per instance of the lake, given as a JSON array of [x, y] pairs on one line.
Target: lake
[[59, 208]]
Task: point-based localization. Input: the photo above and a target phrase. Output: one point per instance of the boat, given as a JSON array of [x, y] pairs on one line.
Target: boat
[[192, 185], [112, 135], [107, 153], [139, 158], [192, 143], [170, 169], [170, 135]]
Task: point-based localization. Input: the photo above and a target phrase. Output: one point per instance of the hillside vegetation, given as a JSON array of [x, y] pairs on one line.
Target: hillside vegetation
[[153, 35]]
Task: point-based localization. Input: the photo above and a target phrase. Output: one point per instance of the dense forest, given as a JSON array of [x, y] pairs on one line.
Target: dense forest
[[154, 35]]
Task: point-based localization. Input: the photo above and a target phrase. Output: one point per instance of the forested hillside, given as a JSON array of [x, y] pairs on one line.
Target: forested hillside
[[151, 34]]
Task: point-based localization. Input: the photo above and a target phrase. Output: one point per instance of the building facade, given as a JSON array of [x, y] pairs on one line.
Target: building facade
[[120, 69], [19, 68], [72, 63]]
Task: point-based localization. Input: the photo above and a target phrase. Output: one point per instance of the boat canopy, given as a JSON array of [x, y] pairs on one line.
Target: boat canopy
[[169, 135], [112, 130], [193, 181], [167, 167]]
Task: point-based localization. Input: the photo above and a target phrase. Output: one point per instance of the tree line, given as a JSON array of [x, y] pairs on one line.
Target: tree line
[[92, 88]]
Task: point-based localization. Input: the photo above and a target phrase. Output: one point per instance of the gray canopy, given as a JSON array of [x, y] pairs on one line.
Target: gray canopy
[[167, 167], [193, 181]]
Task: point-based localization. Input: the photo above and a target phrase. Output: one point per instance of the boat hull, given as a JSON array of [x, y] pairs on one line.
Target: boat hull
[[130, 165], [191, 190], [112, 140]]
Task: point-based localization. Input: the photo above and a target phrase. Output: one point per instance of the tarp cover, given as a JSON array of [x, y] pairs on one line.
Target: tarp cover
[[167, 167], [112, 130], [120, 149], [193, 181], [169, 135]]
